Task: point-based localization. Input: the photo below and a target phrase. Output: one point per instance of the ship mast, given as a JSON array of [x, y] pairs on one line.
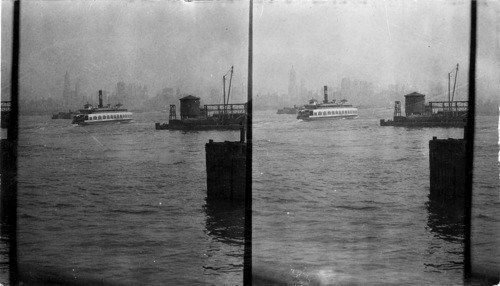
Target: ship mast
[[451, 97], [449, 100], [224, 88], [229, 89], [454, 84]]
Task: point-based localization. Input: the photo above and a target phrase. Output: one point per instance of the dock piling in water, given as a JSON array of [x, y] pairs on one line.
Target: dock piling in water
[[447, 168], [226, 169]]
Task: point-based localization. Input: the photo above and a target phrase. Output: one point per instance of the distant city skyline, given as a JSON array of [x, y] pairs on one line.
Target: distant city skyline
[[190, 45]]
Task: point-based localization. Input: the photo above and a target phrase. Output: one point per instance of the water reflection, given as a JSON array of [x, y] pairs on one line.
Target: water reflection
[[446, 248], [8, 211], [225, 221], [446, 219], [5, 231]]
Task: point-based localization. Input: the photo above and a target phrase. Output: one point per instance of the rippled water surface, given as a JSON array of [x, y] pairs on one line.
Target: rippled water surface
[[335, 202], [346, 202], [123, 203]]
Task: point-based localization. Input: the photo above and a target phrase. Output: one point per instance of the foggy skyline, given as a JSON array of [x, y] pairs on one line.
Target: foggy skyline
[[192, 44]]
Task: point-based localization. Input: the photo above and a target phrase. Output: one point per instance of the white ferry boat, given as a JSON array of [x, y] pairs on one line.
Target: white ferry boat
[[91, 115], [327, 110]]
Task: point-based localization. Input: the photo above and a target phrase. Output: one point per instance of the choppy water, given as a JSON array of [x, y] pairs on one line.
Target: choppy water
[[123, 203], [336, 202], [346, 202]]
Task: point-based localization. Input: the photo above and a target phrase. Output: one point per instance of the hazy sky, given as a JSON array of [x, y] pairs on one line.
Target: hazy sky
[[192, 44]]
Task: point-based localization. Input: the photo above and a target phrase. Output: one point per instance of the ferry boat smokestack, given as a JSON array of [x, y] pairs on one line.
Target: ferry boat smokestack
[[325, 92], [100, 99]]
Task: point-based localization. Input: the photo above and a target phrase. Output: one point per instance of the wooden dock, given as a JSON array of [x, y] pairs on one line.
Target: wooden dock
[[447, 168], [226, 169]]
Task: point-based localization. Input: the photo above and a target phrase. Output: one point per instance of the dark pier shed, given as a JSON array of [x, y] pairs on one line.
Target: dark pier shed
[[190, 107], [414, 104]]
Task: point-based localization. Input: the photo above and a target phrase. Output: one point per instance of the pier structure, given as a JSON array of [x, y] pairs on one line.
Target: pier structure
[[208, 117], [447, 168], [223, 116], [5, 114], [433, 114], [450, 113], [414, 104], [226, 169], [173, 113], [224, 111], [7, 146]]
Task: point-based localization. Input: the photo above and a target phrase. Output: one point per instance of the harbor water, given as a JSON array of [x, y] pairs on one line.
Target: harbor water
[[334, 203], [124, 204], [345, 202]]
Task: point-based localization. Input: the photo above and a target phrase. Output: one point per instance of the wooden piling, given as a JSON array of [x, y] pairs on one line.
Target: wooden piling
[[447, 168], [226, 170]]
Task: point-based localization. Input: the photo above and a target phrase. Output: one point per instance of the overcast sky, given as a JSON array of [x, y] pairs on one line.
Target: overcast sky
[[192, 44]]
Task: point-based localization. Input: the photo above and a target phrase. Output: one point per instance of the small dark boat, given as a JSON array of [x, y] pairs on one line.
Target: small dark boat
[[288, 110], [64, 115]]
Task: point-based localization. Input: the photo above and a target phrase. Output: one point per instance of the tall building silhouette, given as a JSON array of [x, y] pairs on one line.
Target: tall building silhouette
[[292, 87], [66, 96]]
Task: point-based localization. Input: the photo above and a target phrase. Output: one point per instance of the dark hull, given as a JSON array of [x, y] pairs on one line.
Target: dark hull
[[287, 111], [432, 121], [201, 124], [64, 115]]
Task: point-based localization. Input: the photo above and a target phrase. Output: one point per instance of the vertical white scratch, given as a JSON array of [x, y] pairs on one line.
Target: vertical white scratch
[[387, 21]]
